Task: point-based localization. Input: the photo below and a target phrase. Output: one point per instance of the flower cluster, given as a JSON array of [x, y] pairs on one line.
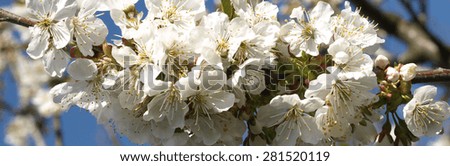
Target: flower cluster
[[182, 76]]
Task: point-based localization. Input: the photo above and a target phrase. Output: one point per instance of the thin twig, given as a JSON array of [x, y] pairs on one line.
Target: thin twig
[[437, 75], [58, 130], [16, 19]]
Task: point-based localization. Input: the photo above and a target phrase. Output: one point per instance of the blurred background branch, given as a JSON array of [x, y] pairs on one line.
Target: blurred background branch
[[422, 44]]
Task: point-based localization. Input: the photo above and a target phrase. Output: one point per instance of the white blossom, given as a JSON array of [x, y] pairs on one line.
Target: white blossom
[[408, 71], [86, 91], [350, 60], [182, 14], [423, 115], [52, 16], [356, 29], [45, 105], [217, 129], [392, 74], [310, 30], [216, 41], [168, 106], [381, 61], [124, 15], [87, 29], [251, 41], [291, 115], [20, 129], [255, 13], [172, 52], [249, 77], [52, 24], [344, 99]]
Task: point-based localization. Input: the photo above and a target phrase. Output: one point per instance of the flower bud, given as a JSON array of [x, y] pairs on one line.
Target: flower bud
[[381, 62], [392, 74], [408, 71]]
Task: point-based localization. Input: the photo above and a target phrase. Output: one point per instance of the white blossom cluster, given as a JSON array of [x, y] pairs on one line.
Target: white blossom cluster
[[182, 76]]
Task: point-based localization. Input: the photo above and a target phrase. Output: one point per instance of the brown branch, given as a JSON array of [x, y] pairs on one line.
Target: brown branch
[[57, 130], [421, 23], [16, 19], [437, 75]]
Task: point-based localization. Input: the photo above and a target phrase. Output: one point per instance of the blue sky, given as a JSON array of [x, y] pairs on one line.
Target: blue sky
[[81, 128]]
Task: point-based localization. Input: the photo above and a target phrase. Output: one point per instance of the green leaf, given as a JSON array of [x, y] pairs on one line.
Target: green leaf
[[227, 8]]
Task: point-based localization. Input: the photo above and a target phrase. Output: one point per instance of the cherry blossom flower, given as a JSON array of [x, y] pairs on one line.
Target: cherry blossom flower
[[21, 129], [251, 42], [51, 33], [182, 14], [87, 29], [423, 115], [310, 30], [392, 74], [86, 91], [408, 71], [52, 17], [168, 106], [255, 13], [291, 115], [350, 60], [356, 29], [381, 61], [124, 15], [344, 99]]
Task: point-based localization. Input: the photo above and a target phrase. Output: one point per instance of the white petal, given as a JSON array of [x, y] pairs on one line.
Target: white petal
[[178, 139], [116, 4], [129, 100], [320, 87], [221, 101], [273, 113], [311, 48], [425, 93], [88, 33], [311, 104], [60, 93], [287, 134], [205, 129], [364, 135], [154, 109], [82, 69], [266, 10], [61, 34], [39, 43], [408, 71], [64, 9], [88, 8], [216, 21], [322, 11], [176, 114], [125, 56], [119, 17], [55, 62], [162, 130], [298, 13], [341, 57], [310, 133], [338, 46]]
